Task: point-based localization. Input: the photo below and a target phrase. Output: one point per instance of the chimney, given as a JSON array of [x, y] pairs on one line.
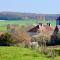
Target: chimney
[[40, 24], [48, 24]]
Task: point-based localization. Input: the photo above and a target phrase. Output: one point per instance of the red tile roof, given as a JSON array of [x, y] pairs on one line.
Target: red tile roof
[[43, 28], [48, 28], [35, 29]]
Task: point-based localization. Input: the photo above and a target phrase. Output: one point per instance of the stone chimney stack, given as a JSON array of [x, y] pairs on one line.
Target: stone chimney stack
[[40, 24], [48, 24]]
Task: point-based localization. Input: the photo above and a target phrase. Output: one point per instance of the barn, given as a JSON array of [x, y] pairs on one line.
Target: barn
[[58, 21]]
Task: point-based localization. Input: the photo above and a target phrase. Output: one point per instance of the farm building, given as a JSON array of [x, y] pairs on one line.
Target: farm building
[[45, 26], [40, 29], [34, 30], [58, 21]]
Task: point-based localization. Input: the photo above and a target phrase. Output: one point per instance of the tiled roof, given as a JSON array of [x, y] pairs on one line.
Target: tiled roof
[[48, 28], [45, 28], [35, 29]]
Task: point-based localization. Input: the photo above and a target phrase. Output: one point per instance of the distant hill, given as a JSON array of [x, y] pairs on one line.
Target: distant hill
[[22, 16]]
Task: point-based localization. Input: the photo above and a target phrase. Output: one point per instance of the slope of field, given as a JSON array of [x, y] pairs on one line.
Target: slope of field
[[20, 22], [4, 23], [17, 53]]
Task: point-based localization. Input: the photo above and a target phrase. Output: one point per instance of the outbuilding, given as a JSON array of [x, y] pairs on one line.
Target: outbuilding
[[58, 21]]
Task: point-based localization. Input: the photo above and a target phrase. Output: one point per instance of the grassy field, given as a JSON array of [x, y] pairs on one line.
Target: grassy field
[[17, 53], [21, 22]]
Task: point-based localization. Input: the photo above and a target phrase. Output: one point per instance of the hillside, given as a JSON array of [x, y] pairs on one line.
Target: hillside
[[22, 16]]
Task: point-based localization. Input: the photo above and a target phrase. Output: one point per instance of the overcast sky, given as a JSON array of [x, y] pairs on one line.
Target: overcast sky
[[31, 6]]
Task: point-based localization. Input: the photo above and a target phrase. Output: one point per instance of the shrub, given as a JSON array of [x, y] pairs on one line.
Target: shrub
[[5, 39]]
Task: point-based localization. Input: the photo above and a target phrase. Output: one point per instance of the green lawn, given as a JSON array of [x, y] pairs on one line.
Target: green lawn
[[16, 53]]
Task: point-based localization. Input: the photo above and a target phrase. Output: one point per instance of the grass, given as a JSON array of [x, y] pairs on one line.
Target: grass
[[21, 22], [54, 47], [52, 22], [16, 53], [4, 23]]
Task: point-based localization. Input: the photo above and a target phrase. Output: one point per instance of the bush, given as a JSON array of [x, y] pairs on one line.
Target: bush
[[42, 38], [5, 39]]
